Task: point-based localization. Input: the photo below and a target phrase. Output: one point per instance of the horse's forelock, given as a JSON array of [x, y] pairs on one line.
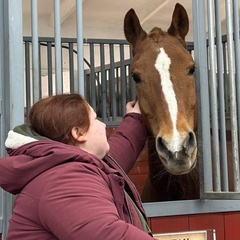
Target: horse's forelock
[[156, 34]]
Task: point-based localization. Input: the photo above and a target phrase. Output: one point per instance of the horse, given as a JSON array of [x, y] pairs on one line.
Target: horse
[[163, 71]]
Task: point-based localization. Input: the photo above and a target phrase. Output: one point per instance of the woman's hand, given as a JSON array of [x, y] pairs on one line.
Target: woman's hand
[[133, 107]]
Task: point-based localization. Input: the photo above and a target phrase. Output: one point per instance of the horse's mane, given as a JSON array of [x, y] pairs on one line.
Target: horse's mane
[[156, 34]]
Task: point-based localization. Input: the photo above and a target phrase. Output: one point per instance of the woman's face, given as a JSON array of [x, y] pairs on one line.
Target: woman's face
[[96, 138]]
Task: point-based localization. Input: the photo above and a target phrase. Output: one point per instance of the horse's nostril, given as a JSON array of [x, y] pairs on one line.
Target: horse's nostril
[[190, 142], [162, 148]]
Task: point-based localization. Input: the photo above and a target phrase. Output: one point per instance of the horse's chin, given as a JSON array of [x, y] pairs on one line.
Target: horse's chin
[[179, 171], [179, 163], [179, 167]]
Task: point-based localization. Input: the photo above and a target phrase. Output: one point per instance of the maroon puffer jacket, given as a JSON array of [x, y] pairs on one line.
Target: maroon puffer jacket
[[66, 193]]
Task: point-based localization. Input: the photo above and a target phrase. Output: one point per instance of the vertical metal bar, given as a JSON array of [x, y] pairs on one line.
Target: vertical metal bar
[[35, 50], [49, 64], [99, 95], [123, 80], [119, 113], [3, 125], [58, 46], [232, 92], [200, 56], [112, 80], [28, 78], [15, 40], [80, 68], [222, 122], [237, 57], [213, 98], [40, 74], [93, 78], [71, 67], [132, 83], [103, 83], [87, 87], [13, 72], [107, 76], [225, 74]]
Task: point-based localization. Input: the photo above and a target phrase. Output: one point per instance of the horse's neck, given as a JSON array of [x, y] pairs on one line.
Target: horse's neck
[[175, 187]]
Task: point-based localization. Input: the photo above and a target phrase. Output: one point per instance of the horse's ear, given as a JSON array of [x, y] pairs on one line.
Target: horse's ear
[[132, 28], [180, 23]]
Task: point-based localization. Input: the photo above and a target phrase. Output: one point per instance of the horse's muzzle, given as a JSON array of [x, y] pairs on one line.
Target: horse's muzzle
[[181, 159]]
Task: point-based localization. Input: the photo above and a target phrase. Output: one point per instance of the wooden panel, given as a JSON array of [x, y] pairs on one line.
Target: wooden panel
[[225, 224], [169, 224], [140, 167], [232, 229], [139, 181], [208, 221], [139, 172]]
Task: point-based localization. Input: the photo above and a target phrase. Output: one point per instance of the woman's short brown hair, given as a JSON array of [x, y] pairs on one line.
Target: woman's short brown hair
[[55, 116]]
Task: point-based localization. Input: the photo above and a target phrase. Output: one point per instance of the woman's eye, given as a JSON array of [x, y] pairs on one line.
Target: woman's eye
[[191, 71], [136, 78]]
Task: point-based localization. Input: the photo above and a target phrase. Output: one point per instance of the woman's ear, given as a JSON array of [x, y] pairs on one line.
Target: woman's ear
[[78, 135]]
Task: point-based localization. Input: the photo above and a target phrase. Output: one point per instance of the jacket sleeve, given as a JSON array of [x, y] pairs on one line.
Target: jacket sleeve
[[128, 140], [80, 205]]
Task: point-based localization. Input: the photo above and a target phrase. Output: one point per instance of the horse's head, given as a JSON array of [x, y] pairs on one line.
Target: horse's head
[[165, 86]]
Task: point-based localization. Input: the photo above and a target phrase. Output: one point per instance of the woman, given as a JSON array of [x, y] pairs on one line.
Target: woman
[[70, 180]]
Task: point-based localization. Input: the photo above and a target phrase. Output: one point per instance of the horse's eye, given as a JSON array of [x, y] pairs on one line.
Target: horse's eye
[[136, 78], [191, 71]]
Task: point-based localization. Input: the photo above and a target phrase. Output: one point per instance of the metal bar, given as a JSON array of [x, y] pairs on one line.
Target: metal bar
[[49, 64], [225, 74], [112, 81], [175, 208], [103, 83], [213, 98], [93, 78], [222, 121], [106, 41], [87, 85], [58, 46], [119, 113], [132, 83], [4, 87], [28, 77], [15, 55], [98, 90], [200, 56], [237, 73], [123, 80], [87, 41], [107, 76], [81, 87], [35, 50], [71, 67], [13, 72], [232, 92], [40, 74]]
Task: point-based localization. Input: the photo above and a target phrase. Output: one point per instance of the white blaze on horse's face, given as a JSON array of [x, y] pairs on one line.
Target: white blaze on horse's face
[[162, 65]]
